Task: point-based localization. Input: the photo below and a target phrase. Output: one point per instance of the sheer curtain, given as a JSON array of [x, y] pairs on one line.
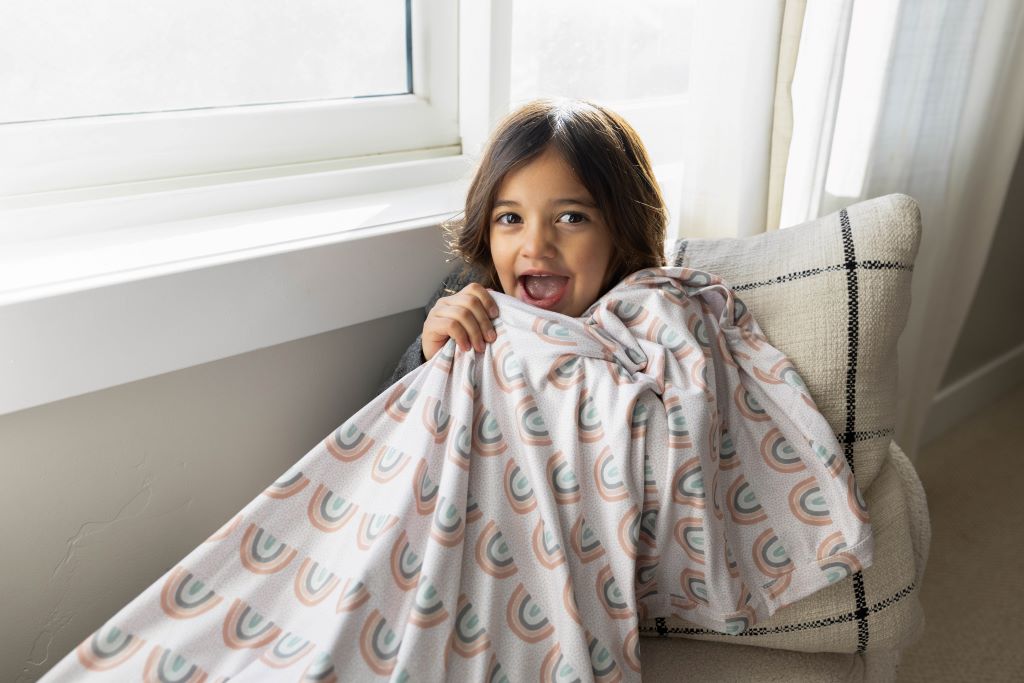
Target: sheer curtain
[[916, 96], [742, 57]]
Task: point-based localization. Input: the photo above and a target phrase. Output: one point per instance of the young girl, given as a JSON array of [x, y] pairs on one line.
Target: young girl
[[517, 518], [563, 206]]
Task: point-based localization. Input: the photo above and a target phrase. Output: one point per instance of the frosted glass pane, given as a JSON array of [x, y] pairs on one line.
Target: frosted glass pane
[[64, 58], [605, 50]]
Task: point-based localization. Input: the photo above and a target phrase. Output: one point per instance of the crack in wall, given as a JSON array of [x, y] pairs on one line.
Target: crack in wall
[[59, 617]]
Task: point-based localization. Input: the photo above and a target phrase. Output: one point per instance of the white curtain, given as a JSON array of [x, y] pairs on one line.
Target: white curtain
[[923, 97], [740, 52]]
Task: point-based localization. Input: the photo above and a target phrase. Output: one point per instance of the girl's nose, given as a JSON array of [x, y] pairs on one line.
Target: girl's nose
[[538, 240]]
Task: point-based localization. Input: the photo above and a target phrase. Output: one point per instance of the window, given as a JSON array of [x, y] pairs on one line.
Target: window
[[608, 51], [218, 220], [625, 56], [120, 91]]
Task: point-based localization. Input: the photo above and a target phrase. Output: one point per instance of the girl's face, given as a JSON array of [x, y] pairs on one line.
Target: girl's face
[[544, 220]]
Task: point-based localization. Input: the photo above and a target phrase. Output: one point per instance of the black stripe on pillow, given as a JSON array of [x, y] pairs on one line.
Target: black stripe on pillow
[[662, 630], [852, 342]]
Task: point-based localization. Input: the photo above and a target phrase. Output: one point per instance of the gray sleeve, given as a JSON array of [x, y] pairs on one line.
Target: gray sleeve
[[413, 356], [411, 359]]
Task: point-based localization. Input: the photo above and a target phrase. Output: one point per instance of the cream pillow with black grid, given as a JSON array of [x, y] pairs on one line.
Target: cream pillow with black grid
[[833, 295]]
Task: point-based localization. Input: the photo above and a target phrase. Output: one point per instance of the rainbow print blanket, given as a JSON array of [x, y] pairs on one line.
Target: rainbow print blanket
[[512, 514]]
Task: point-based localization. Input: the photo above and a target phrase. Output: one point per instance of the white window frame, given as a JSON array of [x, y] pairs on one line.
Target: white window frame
[[50, 156]]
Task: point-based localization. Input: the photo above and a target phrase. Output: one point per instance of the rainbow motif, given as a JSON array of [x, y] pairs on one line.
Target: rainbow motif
[[487, 438], [749, 406], [608, 477], [744, 507], [567, 371], [428, 610], [808, 504], [460, 447], [678, 435], [689, 534], [378, 644], [602, 663], [508, 373], [546, 548], [448, 528], [107, 648], [352, 596], [469, 638], [400, 403], [184, 597], [313, 583], [556, 668], [611, 596], [424, 490], [164, 666], [328, 511], [779, 453], [585, 542], [518, 491], [287, 486], [688, 484], [769, 555], [245, 628], [855, 500], [436, 419], [348, 443], [532, 429], [629, 532], [288, 650], [565, 486], [526, 617], [388, 464], [493, 554], [373, 525], [262, 553], [588, 421], [319, 670], [405, 563]]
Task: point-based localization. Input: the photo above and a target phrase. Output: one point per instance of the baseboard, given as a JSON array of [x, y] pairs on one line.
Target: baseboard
[[971, 393]]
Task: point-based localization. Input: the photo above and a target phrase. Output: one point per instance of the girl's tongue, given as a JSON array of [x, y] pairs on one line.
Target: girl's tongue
[[542, 287]]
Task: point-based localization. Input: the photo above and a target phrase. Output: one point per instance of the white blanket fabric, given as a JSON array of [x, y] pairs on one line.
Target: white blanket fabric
[[512, 514]]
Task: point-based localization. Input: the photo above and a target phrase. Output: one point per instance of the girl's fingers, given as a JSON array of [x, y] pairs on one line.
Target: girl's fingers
[[483, 307], [465, 316], [460, 324], [457, 332], [464, 319]]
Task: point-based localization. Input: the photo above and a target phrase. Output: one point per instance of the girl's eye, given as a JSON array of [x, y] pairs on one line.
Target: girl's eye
[[572, 217], [507, 218]]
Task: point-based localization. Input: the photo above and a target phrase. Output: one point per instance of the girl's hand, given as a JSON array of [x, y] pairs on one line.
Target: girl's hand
[[464, 316]]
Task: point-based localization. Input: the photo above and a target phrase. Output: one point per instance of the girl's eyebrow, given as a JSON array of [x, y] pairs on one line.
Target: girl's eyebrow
[[582, 201]]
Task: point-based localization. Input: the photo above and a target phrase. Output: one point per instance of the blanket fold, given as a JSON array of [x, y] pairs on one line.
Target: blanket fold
[[512, 514]]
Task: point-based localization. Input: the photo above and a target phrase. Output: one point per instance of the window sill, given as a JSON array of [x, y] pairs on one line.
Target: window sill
[[90, 310], [85, 309]]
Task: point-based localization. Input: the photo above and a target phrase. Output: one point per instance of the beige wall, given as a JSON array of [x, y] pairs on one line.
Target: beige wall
[[995, 324], [107, 491]]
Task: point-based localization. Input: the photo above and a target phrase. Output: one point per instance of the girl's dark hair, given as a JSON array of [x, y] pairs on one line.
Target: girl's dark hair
[[607, 157]]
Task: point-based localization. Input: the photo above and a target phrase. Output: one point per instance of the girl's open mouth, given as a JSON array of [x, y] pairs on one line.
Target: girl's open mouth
[[554, 289]]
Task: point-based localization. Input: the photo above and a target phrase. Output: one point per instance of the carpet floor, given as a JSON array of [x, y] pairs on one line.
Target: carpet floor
[[973, 586]]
